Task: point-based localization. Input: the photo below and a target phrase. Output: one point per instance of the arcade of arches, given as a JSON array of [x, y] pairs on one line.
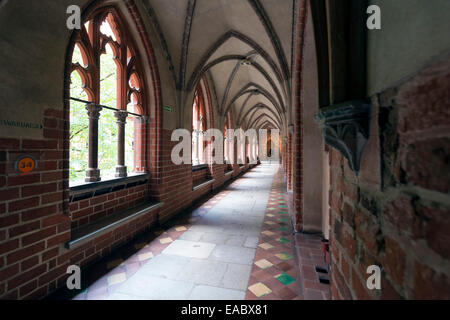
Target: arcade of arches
[[87, 178]]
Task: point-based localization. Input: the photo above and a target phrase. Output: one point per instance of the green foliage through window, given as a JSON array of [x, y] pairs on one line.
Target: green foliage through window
[[107, 138]]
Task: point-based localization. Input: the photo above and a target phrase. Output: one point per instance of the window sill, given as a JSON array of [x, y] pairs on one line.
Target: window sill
[[203, 184], [93, 189], [86, 233], [199, 167]]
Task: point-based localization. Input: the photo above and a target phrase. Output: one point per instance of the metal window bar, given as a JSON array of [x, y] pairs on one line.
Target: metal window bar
[[106, 107]]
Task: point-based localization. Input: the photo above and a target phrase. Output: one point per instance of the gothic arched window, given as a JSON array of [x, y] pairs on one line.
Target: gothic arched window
[[226, 145], [198, 128], [107, 117]]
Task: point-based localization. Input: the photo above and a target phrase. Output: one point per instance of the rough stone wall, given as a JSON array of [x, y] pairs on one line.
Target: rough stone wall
[[396, 213]]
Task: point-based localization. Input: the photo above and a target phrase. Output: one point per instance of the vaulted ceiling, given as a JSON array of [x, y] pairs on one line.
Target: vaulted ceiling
[[244, 45]]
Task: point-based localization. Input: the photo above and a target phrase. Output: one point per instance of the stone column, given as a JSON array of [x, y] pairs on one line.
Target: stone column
[[291, 156], [246, 150], [121, 169], [140, 152], [93, 172]]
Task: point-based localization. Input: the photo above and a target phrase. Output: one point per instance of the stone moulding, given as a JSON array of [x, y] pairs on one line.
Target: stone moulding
[[345, 127]]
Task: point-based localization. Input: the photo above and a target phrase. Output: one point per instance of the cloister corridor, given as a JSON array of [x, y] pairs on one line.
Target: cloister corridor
[[238, 244], [224, 150]]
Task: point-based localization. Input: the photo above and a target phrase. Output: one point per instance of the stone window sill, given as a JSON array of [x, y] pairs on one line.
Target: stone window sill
[[199, 167], [93, 189], [202, 184], [86, 233]]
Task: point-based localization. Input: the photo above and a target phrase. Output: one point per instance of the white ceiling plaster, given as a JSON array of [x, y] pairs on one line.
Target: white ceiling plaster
[[212, 19]]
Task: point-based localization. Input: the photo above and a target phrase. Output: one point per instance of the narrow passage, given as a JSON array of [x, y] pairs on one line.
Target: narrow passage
[[237, 245]]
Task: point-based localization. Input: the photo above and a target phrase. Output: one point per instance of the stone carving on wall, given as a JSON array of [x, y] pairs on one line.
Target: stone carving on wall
[[345, 127]]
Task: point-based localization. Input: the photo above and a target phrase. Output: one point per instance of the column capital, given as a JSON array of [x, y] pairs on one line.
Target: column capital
[[121, 116], [93, 111]]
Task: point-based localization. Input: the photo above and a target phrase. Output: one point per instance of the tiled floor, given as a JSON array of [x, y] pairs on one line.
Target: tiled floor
[[275, 274], [237, 245]]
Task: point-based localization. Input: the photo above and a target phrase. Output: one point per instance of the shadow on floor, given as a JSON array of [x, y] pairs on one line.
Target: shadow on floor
[[133, 254]]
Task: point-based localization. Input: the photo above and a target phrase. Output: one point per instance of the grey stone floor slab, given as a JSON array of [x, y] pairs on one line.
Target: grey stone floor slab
[[251, 242], [203, 272], [236, 229], [233, 254], [155, 288], [123, 297], [190, 249], [211, 228], [191, 235], [236, 277], [166, 266], [235, 240], [213, 259], [214, 293], [216, 238]]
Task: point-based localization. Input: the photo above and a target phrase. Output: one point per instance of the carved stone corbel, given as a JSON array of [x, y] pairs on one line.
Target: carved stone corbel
[[345, 127]]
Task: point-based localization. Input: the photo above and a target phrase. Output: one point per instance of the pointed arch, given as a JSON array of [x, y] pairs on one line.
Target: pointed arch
[[259, 9], [254, 65], [247, 40], [134, 58], [259, 118], [259, 107], [248, 89]]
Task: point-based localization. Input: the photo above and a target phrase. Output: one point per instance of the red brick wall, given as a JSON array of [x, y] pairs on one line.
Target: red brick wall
[[401, 225], [31, 222], [35, 214], [177, 181], [289, 162], [34, 229], [200, 176], [284, 159], [87, 211], [297, 139], [101, 246], [219, 171]]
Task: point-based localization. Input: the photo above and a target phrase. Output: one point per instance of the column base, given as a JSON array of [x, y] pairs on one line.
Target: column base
[[121, 172], [92, 175]]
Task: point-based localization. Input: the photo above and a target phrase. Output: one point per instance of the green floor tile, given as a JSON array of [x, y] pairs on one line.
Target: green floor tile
[[283, 240], [285, 279]]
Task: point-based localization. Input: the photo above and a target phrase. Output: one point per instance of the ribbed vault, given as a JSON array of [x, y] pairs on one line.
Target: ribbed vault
[[245, 46]]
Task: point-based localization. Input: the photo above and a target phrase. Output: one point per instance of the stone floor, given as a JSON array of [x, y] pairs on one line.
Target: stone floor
[[237, 245], [275, 273]]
